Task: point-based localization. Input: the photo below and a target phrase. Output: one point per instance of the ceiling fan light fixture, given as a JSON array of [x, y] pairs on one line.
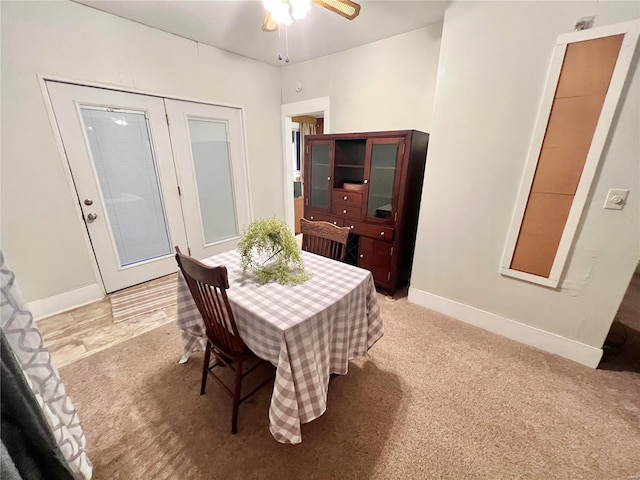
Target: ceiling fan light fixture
[[299, 8], [279, 11], [284, 12]]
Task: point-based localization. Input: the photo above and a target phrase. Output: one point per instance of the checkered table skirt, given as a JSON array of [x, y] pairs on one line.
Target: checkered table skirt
[[307, 331]]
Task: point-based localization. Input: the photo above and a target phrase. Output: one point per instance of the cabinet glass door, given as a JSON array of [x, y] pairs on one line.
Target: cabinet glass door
[[382, 177], [318, 181]]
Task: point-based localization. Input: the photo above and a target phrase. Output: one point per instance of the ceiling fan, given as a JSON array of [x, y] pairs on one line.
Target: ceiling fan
[[285, 11]]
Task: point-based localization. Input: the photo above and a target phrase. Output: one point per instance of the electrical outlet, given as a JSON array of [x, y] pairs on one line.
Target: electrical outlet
[[616, 199]]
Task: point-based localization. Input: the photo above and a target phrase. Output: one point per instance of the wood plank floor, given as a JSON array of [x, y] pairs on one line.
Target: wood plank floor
[[85, 330]]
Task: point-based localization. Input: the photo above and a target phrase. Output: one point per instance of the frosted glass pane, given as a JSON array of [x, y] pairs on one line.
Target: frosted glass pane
[[214, 179], [319, 176], [382, 179], [126, 169]]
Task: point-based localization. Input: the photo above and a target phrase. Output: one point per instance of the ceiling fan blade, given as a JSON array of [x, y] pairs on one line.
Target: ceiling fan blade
[[346, 8], [269, 25]]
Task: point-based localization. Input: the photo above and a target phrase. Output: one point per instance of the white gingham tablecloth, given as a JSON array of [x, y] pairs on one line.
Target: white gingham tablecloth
[[307, 331]]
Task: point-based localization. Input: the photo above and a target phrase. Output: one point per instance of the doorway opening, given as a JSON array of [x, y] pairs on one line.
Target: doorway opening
[[299, 119], [302, 126]]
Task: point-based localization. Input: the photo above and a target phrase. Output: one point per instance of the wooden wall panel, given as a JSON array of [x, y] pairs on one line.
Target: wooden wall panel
[[559, 169], [582, 87], [573, 121], [546, 213], [540, 234], [588, 67], [535, 253]]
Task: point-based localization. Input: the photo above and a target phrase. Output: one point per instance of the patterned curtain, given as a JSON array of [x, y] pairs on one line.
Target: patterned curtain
[[24, 338]]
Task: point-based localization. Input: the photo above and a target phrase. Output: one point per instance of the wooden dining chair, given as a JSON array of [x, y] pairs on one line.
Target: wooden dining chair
[[208, 287], [324, 239]]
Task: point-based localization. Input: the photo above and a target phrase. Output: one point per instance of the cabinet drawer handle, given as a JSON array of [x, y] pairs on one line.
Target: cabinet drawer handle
[[366, 181], [328, 178], [382, 233], [361, 255], [346, 198], [311, 217], [352, 227], [335, 223], [344, 211]]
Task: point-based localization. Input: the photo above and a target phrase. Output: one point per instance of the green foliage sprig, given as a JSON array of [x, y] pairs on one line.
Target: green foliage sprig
[[269, 250]]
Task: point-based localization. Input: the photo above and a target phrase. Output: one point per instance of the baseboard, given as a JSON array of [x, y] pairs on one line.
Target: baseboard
[[520, 332], [65, 301]]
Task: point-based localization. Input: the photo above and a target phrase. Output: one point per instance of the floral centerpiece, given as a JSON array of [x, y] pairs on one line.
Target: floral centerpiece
[[269, 249]]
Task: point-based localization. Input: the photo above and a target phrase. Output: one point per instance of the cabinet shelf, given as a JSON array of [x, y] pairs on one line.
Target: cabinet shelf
[[346, 165]]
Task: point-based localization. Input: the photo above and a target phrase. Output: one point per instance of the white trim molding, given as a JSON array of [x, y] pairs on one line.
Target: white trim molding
[[65, 301], [520, 332], [631, 31]]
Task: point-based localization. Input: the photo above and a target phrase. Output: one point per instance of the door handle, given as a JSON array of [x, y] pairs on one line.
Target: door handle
[[88, 201], [91, 217]]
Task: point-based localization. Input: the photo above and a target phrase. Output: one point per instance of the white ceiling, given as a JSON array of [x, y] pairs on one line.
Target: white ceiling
[[236, 26]]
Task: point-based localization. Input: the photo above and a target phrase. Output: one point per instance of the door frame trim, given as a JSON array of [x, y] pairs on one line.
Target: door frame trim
[[42, 81], [288, 110]]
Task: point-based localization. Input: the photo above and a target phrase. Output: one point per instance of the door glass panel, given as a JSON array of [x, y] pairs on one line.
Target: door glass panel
[[214, 180], [124, 162], [382, 178], [319, 175]]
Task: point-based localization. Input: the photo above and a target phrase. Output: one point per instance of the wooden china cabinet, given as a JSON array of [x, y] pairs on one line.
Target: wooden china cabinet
[[372, 183]]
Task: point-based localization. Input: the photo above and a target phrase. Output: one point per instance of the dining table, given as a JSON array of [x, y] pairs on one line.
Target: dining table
[[308, 331]]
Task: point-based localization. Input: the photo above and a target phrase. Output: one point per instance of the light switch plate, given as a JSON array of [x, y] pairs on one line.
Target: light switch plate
[[616, 199]]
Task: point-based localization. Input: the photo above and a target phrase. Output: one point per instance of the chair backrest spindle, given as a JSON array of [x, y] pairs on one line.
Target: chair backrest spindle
[[208, 287]]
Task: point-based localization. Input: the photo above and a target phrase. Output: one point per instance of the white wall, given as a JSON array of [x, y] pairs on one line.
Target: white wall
[[385, 85], [42, 234], [493, 66]]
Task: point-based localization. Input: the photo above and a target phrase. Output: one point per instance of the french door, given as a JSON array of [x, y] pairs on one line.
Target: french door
[[209, 158], [142, 191]]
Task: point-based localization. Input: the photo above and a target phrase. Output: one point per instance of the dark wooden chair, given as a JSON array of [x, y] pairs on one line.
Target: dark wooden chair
[[324, 239], [208, 287]]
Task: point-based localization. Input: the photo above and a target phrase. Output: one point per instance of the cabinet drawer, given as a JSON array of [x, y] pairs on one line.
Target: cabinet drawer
[[368, 230], [346, 197], [320, 217], [375, 256], [346, 211]]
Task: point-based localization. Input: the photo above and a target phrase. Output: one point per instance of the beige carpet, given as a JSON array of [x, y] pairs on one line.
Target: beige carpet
[[144, 298], [435, 399]]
